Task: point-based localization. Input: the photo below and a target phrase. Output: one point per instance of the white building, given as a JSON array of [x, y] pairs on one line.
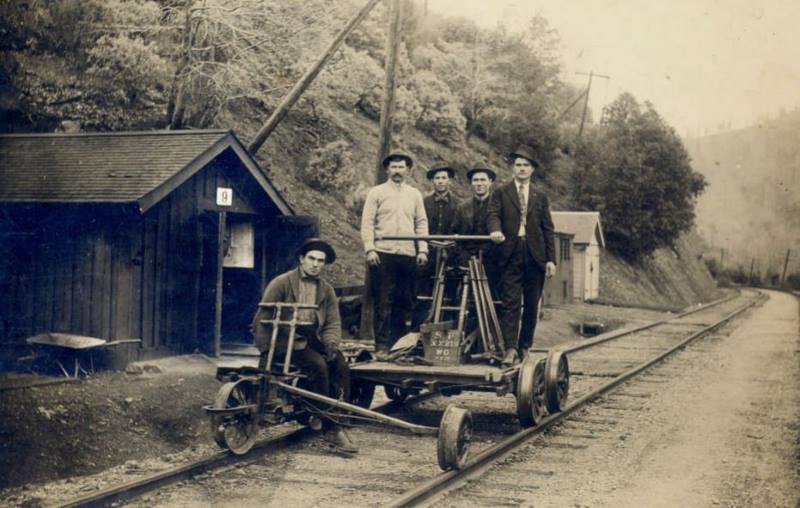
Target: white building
[[586, 250]]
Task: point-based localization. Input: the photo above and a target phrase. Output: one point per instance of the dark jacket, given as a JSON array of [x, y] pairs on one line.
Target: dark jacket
[[286, 288], [441, 214], [504, 215], [472, 219]]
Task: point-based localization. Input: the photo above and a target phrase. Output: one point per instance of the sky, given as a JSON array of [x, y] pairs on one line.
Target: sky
[[706, 65]]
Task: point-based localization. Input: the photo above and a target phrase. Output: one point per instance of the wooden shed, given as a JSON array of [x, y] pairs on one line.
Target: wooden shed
[[123, 236], [558, 289], [588, 240]]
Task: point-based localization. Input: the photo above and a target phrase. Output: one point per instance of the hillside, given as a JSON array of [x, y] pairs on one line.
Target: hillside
[[752, 205], [464, 94], [669, 279]]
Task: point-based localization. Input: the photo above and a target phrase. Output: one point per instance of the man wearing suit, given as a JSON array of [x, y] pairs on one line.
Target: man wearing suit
[[519, 221]]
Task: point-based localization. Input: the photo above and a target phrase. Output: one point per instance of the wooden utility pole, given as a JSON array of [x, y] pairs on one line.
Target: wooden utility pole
[[301, 86], [785, 265], [387, 109], [591, 75], [721, 258], [750, 277]]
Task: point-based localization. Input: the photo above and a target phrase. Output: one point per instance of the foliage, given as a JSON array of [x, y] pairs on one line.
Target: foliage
[[635, 170], [329, 168], [793, 281], [439, 114], [97, 62]]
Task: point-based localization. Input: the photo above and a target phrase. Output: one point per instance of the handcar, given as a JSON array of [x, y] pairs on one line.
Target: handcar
[[463, 353], [274, 393]]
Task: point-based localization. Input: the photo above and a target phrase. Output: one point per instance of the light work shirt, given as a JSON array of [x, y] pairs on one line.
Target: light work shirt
[[308, 295], [394, 210]]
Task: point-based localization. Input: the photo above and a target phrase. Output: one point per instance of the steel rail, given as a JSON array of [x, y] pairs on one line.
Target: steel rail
[[615, 335], [485, 459], [220, 459]]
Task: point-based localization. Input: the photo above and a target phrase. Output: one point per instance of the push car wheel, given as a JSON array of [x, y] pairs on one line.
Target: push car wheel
[[235, 431], [531, 403], [455, 435], [556, 381]]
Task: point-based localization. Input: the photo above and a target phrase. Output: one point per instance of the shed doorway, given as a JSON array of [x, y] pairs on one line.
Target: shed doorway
[[242, 262]]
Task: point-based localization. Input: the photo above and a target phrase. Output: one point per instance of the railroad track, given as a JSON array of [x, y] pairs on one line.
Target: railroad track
[[291, 470], [604, 365]]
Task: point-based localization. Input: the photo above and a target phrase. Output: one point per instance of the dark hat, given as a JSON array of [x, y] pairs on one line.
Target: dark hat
[[321, 245], [440, 167], [525, 153], [393, 156], [481, 168]]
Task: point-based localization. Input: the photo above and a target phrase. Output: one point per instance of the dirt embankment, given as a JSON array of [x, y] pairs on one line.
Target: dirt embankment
[[669, 279], [63, 430]]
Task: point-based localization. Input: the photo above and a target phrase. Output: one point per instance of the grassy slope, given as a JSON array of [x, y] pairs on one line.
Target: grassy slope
[[670, 279]]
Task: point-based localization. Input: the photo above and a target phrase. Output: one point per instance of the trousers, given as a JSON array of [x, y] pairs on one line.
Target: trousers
[[393, 290], [520, 285]]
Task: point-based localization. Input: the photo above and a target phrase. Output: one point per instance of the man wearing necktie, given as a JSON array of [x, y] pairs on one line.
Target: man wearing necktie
[[520, 223]]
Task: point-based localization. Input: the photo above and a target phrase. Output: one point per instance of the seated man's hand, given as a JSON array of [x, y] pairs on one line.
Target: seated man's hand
[[422, 259], [331, 350], [497, 236]]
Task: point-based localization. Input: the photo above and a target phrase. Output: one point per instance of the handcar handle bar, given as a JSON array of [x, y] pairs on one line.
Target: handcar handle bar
[[441, 238], [283, 305]]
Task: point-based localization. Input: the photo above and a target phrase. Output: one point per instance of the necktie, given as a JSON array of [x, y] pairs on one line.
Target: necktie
[[523, 206]]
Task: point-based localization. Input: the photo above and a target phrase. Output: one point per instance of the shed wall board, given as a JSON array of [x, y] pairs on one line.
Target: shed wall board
[[579, 272]]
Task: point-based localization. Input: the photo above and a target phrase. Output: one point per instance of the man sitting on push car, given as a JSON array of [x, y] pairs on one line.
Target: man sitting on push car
[[316, 347]]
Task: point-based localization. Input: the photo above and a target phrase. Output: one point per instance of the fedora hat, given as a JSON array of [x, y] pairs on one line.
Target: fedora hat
[[320, 245], [481, 168], [525, 153], [440, 167], [397, 155]]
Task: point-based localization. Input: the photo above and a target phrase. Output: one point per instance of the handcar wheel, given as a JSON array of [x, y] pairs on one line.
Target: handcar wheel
[[235, 432], [395, 393], [531, 405], [361, 393], [455, 434], [556, 381]]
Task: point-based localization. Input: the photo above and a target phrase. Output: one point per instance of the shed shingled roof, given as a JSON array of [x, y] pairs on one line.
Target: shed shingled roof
[[583, 224], [108, 167]]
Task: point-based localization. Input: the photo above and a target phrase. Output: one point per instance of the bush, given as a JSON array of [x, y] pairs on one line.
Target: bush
[[329, 168]]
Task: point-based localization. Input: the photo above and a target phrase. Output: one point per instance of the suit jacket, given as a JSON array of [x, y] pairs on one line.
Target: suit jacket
[[472, 219], [286, 288], [504, 215]]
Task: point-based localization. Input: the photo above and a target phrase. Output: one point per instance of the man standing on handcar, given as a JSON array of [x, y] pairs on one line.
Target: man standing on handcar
[[520, 223]]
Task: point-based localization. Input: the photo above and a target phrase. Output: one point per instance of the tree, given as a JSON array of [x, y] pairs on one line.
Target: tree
[[635, 170]]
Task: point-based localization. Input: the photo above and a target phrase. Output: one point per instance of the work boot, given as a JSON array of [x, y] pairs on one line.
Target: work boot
[[340, 439], [511, 357]]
